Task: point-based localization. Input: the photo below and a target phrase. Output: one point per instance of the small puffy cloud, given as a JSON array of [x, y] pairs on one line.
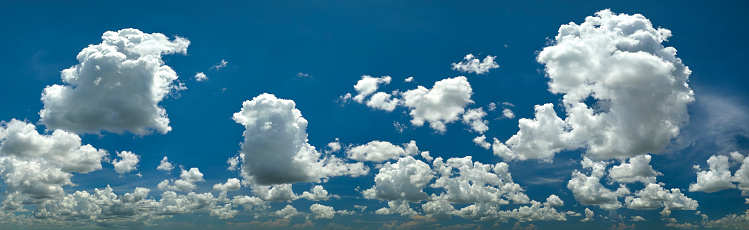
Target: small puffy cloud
[[506, 112], [639, 86], [379, 151], [334, 146], [383, 101], [187, 181], [287, 212], [440, 105], [588, 190], [403, 180], [637, 218], [232, 184], [638, 169], [165, 165], [201, 76], [589, 215], [654, 196], [409, 79], [474, 119], [116, 87], [128, 162], [554, 200], [481, 141], [401, 207], [317, 193], [275, 148], [322, 212], [471, 64], [220, 65], [303, 75], [475, 182], [716, 179], [368, 85], [279, 192]]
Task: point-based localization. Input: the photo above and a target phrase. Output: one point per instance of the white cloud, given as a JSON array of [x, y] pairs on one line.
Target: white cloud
[[588, 190], [317, 193], [220, 65], [116, 87], [492, 106], [128, 162], [475, 182], [554, 200], [300, 74], [535, 212], [232, 184], [638, 169], [474, 65], [441, 105], [279, 192], [409, 79], [589, 215], [287, 212], [185, 183], [481, 141], [403, 180], [742, 175], [730, 221], [383, 101], [368, 85], [438, 208], [654, 196], [506, 112], [35, 167], [716, 179], [334, 146], [401, 207], [638, 218], [474, 119], [322, 212], [640, 88], [165, 165], [399, 127], [381, 151], [275, 148], [200, 77]]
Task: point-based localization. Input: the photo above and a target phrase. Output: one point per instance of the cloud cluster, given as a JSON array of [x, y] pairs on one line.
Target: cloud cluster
[[403, 180], [471, 64], [116, 87], [718, 176], [187, 181], [379, 151], [638, 85], [275, 148]]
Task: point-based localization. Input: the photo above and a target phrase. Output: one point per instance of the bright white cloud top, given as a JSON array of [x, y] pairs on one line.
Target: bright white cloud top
[[471, 64]]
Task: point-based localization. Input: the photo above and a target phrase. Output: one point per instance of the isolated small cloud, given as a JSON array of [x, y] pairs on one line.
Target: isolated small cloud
[[471, 64], [220, 65], [128, 162], [201, 77]]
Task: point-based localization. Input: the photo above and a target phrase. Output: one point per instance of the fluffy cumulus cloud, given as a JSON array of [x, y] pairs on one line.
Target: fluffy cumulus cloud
[[718, 176], [638, 169], [117, 86], [382, 151], [275, 148], [654, 196], [440, 105], [165, 165], [474, 119], [403, 180], [36, 166], [128, 162], [187, 181], [588, 190], [201, 77], [368, 85], [232, 184], [471, 64], [322, 211], [465, 181], [638, 85]]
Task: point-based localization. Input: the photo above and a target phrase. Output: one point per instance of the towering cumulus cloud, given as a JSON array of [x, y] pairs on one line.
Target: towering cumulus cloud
[[275, 148], [116, 87], [624, 92]]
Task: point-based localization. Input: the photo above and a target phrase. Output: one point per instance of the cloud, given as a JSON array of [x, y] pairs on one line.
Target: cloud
[[474, 119], [730, 221], [474, 65], [317, 193], [232, 184], [403, 180], [128, 162], [589, 215], [638, 169], [201, 77], [165, 165], [383, 101], [116, 87], [279, 192], [440, 105], [368, 85], [554, 200], [401, 207], [35, 167], [481, 141], [654, 196], [639, 88], [506, 112], [287, 212], [475, 182], [535, 212], [321, 211], [334, 146], [588, 190], [275, 148], [303, 75], [220, 65], [409, 79], [185, 183], [379, 151], [716, 179]]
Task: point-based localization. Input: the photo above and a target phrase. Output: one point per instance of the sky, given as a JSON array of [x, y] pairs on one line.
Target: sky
[[374, 115]]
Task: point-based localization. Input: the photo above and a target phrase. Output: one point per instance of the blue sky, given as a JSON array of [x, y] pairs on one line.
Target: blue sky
[[604, 115]]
